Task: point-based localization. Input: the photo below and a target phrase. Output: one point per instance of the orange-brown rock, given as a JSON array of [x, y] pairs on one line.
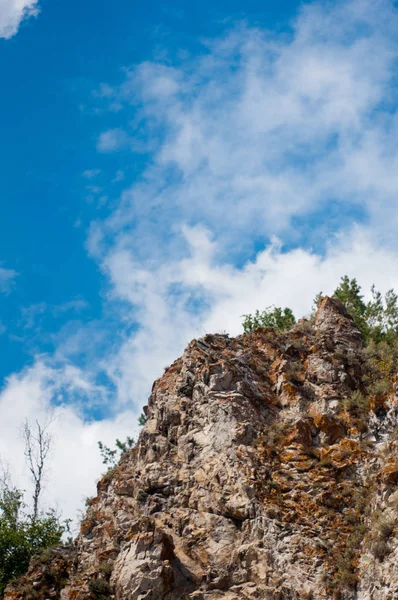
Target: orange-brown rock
[[329, 425], [249, 481], [390, 472]]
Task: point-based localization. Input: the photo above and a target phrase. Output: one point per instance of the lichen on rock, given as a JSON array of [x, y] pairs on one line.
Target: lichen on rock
[[250, 480]]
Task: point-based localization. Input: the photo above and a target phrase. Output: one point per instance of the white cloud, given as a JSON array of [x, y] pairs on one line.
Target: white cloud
[[264, 128], [259, 131], [91, 173], [13, 12], [7, 279], [263, 134], [112, 140], [196, 295], [119, 176], [75, 462]]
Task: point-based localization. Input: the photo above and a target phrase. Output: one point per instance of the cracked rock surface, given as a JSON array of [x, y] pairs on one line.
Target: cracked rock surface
[[249, 480]]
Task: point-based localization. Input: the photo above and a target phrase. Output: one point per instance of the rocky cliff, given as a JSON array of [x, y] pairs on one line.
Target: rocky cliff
[[255, 477]]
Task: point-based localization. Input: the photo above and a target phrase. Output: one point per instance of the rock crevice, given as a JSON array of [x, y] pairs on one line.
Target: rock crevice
[[250, 480]]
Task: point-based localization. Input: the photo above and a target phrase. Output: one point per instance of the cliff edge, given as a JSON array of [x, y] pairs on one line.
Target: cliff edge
[[255, 477]]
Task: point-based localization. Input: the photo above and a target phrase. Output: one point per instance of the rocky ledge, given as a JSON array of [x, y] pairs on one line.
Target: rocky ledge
[[250, 480]]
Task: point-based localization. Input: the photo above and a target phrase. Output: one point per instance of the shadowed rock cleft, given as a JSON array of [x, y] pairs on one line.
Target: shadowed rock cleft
[[251, 479]]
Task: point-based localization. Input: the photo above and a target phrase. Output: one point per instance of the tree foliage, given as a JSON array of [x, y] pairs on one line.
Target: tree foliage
[[22, 534], [377, 319], [349, 293], [273, 316], [110, 456]]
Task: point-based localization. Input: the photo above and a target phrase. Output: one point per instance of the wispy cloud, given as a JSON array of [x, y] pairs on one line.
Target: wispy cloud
[[13, 12], [272, 172], [7, 279], [91, 173], [112, 140], [119, 176], [46, 389], [261, 135], [30, 315], [75, 305], [33, 314], [262, 129]]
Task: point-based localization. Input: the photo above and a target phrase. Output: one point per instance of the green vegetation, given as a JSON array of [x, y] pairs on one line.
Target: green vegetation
[[357, 404], [142, 419], [273, 316], [345, 576], [22, 534], [382, 528], [25, 532], [110, 457], [377, 319]]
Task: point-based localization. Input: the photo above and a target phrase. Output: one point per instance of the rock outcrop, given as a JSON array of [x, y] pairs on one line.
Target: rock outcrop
[[250, 480]]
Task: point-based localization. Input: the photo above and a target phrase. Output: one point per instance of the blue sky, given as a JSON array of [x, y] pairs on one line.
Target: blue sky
[[165, 169], [52, 73]]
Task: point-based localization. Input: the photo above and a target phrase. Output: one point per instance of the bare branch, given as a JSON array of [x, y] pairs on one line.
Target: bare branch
[[38, 443]]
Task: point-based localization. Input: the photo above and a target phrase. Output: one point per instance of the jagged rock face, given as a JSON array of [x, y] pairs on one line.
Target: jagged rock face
[[47, 575], [249, 480]]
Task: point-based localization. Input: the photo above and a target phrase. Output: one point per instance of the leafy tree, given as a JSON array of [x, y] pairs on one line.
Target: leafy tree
[[273, 316], [391, 312], [22, 534], [110, 456]]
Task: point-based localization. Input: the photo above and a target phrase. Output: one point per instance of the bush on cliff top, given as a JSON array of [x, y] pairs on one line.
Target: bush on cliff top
[[377, 319], [276, 317]]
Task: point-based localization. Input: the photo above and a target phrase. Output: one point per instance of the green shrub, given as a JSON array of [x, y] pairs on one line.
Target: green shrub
[[276, 317], [377, 319]]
